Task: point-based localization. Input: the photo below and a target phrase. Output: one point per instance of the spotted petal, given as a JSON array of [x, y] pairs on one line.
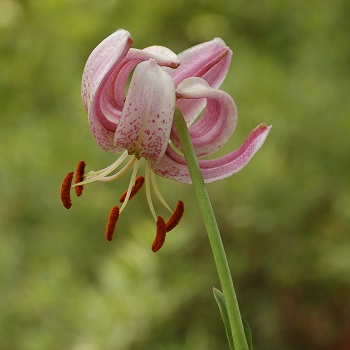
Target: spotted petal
[[104, 81], [218, 122], [210, 61], [145, 124], [173, 166], [102, 61]]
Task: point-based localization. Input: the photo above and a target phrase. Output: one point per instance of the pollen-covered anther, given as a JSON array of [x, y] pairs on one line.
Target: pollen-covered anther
[[176, 216], [79, 177], [160, 235], [140, 180], [113, 218], [65, 190]]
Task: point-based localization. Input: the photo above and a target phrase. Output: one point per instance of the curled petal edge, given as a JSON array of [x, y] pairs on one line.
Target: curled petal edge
[[173, 166], [209, 60], [107, 55], [216, 125]]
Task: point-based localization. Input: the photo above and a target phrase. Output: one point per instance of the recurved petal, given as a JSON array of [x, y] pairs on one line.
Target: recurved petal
[[162, 55], [209, 60], [103, 59], [173, 166], [145, 124], [216, 125]]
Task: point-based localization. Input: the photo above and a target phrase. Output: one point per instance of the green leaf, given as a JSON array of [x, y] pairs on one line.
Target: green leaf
[[248, 333], [220, 299]]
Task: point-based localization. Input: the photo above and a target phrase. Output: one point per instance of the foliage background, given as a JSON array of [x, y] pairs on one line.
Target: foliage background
[[285, 218]]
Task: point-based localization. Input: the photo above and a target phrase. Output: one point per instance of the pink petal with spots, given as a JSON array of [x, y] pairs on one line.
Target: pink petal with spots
[[100, 64], [145, 124], [210, 61], [104, 81], [214, 128], [173, 166]]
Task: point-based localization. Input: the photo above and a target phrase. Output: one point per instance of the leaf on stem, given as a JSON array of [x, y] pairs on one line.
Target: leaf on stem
[[220, 299]]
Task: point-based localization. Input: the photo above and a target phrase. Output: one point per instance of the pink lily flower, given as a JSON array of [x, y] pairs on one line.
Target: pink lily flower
[[140, 124]]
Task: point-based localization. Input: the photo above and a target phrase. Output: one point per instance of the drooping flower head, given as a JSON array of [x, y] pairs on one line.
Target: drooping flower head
[[139, 123]]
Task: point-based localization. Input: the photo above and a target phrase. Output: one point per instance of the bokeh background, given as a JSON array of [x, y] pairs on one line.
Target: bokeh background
[[285, 218]]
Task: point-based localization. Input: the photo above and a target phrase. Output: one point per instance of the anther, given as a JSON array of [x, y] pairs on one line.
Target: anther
[[176, 216], [160, 235], [65, 190], [79, 177], [140, 180], [113, 218]]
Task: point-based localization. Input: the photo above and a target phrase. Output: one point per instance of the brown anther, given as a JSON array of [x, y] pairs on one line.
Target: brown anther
[[113, 218], [65, 190], [140, 180], [160, 235], [176, 216], [79, 177]]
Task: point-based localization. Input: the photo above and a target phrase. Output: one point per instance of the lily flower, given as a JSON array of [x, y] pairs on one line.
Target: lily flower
[[140, 123]]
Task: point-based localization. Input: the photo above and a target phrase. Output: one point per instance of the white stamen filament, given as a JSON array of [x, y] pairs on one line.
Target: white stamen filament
[[97, 175], [157, 192], [131, 184], [120, 172], [148, 192]]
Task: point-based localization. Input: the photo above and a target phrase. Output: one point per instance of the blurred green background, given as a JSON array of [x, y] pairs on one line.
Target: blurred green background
[[285, 218]]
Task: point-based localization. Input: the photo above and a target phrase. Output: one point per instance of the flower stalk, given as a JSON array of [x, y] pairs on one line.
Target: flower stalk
[[212, 228]]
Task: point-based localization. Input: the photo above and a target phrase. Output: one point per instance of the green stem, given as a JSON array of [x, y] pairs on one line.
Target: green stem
[[213, 233]]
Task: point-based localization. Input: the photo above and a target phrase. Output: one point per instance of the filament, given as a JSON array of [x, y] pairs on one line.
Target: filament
[[97, 175], [131, 184], [157, 192], [120, 172], [148, 192]]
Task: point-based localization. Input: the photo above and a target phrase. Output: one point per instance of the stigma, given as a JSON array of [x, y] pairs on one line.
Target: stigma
[[114, 172]]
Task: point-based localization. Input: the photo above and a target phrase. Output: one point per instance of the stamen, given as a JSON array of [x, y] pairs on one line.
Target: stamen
[[140, 180], [160, 235], [79, 177], [113, 218], [97, 175], [119, 173], [65, 190], [132, 182], [148, 193], [176, 217], [156, 190]]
